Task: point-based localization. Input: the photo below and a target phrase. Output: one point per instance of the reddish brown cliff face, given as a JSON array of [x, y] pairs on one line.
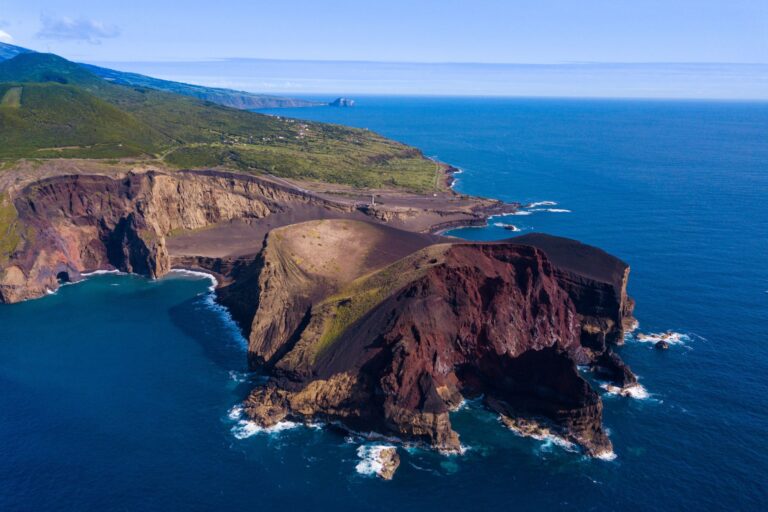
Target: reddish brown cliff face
[[494, 320]]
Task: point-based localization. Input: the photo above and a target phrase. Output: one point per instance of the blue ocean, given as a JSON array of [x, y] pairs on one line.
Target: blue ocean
[[118, 393]]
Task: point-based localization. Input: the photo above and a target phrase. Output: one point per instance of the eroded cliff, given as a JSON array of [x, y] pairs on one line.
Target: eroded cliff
[[146, 222], [355, 319], [393, 344]]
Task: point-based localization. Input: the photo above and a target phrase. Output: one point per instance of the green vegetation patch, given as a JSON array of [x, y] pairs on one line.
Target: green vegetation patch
[[11, 232], [63, 121], [11, 98], [367, 292], [70, 113]]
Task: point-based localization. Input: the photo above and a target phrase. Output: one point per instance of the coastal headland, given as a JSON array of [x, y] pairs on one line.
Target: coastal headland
[[357, 310], [325, 243]]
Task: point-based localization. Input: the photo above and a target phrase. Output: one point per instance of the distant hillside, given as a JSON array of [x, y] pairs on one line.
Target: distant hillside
[[51, 107], [227, 97], [60, 120], [9, 51]]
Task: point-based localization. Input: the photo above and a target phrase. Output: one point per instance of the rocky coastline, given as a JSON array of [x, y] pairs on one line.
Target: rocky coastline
[[359, 313]]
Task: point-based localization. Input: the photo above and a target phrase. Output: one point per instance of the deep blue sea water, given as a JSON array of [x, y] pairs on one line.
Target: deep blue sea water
[[116, 392]]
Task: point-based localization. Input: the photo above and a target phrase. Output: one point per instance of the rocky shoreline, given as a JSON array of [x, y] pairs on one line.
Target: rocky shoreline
[[359, 314]]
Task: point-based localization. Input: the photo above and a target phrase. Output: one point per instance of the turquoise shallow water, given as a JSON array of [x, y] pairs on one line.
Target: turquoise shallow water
[[116, 392]]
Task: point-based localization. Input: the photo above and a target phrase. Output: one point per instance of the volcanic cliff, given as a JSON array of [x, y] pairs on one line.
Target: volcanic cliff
[[388, 337], [358, 314]]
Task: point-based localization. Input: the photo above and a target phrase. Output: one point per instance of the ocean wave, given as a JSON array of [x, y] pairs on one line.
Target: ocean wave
[[235, 413], [550, 210], [245, 428], [607, 455], [464, 404], [239, 377], [541, 203], [508, 227], [103, 272], [534, 430], [197, 273], [671, 337], [370, 455], [636, 391], [210, 302]]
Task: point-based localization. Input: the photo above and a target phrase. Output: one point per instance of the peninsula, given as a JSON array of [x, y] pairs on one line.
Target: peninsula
[[325, 243]]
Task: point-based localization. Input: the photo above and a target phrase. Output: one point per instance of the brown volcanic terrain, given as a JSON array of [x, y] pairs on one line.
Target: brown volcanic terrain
[[146, 221], [358, 312], [394, 342]]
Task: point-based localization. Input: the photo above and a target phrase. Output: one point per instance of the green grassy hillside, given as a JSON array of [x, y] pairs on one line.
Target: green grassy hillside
[[54, 120], [65, 111]]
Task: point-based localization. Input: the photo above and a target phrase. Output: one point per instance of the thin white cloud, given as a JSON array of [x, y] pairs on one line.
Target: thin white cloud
[[75, 29], [5, 37]]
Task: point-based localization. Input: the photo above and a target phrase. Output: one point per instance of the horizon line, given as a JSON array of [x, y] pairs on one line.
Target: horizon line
[[431, 63]]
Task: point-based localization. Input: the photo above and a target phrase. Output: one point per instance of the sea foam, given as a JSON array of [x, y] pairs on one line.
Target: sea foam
[[370, 455], [635, 391], [103, 272], [508, 227], [550, 210], [245, 428], [210, 302], [671, 337], [534, 430]]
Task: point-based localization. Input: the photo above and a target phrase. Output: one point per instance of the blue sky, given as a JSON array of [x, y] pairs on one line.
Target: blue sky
[[552, 32]]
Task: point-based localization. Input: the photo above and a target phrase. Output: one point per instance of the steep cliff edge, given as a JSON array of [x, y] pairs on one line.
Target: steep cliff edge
[[56, 228], [393, 345]]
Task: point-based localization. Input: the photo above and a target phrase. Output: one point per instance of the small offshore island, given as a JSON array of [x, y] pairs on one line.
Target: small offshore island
[[325, 244]]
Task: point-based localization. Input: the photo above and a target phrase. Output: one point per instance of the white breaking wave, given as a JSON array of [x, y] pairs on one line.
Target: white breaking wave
[[235, 413], [370, 464], [196, 273], [508, 227], [541, 203], [550, 210], [102, 272], [246, 428], [462, 405], [236, 376], [210, 301], [606, 455], [543, 434], [671, 337], [635, 391]]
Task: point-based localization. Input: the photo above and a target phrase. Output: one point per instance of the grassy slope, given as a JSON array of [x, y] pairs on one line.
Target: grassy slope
[[185, 132], [54, 120], [10, 229], [368, 291]]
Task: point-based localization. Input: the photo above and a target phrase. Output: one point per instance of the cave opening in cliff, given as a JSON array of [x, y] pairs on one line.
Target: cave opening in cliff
[[63, 277]]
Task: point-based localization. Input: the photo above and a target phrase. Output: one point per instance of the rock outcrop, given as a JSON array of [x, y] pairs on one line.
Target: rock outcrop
[[394, 345]]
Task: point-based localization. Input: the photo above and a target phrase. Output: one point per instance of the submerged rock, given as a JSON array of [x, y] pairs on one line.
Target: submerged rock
[[661, 345]]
